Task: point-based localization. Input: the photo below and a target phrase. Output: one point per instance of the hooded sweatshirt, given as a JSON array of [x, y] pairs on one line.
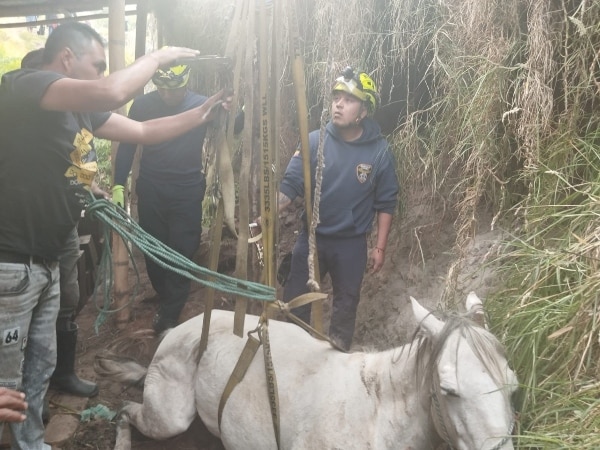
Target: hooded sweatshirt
[[359, 179]]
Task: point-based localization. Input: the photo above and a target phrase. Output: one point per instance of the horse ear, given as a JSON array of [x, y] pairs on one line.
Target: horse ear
[[475, 309], [425, 319]]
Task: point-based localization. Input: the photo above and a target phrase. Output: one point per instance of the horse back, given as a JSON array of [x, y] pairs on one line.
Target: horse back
[[319, 388]]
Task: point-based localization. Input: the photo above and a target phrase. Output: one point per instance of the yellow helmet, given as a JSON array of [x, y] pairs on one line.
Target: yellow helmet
[[361, 86], [173, 78]]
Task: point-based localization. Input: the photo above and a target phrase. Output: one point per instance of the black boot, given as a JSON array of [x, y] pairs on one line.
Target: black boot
[[64, 378]]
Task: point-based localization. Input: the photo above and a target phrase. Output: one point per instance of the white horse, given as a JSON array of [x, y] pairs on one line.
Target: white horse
[[451, 384]]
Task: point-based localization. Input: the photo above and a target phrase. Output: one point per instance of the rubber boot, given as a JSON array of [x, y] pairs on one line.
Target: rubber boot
[[64, 378]]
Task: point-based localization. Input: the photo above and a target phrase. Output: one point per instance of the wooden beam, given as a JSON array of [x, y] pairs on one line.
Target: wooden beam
[[20, 8], [141, 30], [63, 20]]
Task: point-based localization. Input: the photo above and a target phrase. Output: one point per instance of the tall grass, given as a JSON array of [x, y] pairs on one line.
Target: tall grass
[[549, 309], [499, 113]]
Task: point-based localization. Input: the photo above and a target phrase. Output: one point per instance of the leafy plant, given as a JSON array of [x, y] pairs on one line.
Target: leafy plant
[[103, 152]]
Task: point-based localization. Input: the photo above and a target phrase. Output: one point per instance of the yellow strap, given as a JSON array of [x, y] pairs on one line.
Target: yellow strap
[[271, 381], [241, 368], [268, 204], [239, 371], [241, 258], [304, 299], [299, 301]]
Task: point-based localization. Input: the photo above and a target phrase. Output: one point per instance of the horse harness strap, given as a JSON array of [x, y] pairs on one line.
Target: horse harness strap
[[241, 367], [300, 301]]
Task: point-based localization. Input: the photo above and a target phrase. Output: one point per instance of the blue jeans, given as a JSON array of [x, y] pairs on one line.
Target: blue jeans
[[29, 302]]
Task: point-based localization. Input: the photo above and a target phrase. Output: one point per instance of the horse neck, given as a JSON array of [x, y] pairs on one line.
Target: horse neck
[[402, 394], [395, 367]]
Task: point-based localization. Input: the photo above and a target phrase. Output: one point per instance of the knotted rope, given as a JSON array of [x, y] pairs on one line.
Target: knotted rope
[[312, 282]]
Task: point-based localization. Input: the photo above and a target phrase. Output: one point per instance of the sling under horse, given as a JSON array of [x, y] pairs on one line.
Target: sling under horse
[[451, 384]]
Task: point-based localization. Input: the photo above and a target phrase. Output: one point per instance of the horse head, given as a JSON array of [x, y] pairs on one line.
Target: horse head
[[468, 378]]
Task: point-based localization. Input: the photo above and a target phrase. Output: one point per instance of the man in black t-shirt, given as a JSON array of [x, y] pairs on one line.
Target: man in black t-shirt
[[48, 119], [64, 377]]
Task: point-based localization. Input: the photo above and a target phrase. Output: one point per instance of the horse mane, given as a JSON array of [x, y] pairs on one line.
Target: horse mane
[[484, 344]]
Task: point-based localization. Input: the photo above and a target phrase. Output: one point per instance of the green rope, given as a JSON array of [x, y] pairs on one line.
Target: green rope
[[116, 219]]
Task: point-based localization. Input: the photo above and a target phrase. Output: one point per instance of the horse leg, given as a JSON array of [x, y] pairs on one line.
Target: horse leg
[[168, 409], [123, 441], [147, 422]]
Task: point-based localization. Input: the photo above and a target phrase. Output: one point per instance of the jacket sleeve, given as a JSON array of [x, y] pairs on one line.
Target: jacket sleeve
[[387, 188], [292, 184]]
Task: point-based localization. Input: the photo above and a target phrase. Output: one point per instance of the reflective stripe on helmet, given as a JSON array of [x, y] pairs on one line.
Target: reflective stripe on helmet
[[349, 86], [173, 78], [361, 86]]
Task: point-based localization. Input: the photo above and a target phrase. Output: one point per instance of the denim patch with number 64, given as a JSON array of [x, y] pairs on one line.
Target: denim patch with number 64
[[11, 336]]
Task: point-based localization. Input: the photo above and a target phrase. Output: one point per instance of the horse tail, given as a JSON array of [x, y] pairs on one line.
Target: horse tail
[[119, 368], [112, 363]]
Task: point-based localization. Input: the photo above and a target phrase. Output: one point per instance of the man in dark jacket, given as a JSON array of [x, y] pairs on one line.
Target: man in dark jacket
[[170, 187], [358, 183]]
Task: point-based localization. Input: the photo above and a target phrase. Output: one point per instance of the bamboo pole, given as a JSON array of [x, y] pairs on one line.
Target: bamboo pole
[[116, 54]]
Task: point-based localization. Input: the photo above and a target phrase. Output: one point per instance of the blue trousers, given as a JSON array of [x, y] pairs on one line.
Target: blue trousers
[[345, 260], [173, 215]]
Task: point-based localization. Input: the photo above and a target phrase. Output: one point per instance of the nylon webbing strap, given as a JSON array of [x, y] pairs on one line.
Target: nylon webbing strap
[[304, 299], [239, 371], [215, 237], [241, 257], [268, 202], [313, 331], [271, 381], [241, 367]]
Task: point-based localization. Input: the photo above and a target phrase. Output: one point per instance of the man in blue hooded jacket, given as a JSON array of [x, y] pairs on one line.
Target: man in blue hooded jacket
[[359, 182]]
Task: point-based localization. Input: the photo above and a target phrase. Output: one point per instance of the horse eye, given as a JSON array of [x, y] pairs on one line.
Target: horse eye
[[516, 399]]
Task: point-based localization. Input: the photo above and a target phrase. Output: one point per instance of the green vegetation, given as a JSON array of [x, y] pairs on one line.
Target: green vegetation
[[103, 152], [14, 44]]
